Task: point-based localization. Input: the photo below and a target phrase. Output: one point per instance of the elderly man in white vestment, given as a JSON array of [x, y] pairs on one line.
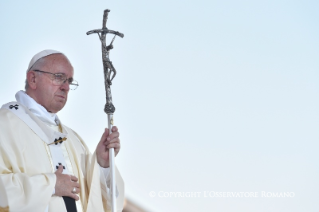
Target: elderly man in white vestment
[[45, 165]]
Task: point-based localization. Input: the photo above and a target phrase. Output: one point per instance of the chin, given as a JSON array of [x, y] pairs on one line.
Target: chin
[[57, 108]]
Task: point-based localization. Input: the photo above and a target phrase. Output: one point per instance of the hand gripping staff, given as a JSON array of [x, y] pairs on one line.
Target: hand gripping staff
[[109, 74]]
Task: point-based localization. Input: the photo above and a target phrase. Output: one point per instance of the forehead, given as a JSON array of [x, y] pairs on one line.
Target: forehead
[[58, 63]]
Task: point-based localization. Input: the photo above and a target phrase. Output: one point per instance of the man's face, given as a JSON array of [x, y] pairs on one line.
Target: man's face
[[53, 97]]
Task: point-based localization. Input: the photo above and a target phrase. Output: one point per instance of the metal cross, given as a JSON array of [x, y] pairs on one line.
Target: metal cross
[[14, 106], [109, 74], [109, 70]]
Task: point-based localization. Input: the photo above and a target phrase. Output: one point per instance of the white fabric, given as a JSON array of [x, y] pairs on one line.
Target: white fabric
[[27, 171], [3, 196], [47, 134], [27, 189], [67, 165], [37, 109], [41, 54], [57, 153]]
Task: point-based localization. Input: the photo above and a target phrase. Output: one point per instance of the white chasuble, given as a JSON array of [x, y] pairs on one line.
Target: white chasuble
[[29, 154]]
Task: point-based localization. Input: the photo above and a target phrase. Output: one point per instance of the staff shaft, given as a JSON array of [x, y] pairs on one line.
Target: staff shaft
[[112, 164]]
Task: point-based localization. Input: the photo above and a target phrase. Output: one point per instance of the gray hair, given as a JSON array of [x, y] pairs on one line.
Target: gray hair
[[36, 66]]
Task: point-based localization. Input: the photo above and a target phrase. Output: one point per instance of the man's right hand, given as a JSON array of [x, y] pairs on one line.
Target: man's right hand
[[65, 184]]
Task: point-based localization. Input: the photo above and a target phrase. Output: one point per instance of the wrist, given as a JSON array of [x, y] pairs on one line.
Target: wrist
[[103, 163]]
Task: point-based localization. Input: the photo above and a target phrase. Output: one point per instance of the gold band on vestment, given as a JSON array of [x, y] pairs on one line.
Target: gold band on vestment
[[57, 141]]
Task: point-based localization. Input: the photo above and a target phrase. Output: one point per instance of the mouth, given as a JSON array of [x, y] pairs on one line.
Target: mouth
[[61, 97]]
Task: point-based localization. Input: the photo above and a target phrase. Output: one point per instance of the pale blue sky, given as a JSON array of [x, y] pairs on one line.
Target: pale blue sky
[[210, 95]]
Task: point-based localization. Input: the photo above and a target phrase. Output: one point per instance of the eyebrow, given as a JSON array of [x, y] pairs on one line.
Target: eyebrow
[[63, 74]]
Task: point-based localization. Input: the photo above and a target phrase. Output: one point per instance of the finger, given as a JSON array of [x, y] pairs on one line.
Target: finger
[[114, 145], [113, 135], [105, 135], [76, 185], [74, 196], [74, 178], [60, 169], [114, 129], [114, 140], [77, 190]]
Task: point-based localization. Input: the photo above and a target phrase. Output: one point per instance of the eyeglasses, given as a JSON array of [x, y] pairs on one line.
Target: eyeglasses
[[60, 78]]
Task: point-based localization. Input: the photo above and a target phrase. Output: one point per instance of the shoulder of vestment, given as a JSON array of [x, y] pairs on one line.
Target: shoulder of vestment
[[13, 131]]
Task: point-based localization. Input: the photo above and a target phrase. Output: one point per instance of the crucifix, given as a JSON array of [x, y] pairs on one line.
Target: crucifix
[[109, 74]]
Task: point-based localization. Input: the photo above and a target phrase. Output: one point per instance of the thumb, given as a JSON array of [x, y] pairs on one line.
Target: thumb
[[105, 134]]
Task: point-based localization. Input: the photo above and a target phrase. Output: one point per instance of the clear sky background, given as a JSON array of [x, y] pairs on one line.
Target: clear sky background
[[210, 96]]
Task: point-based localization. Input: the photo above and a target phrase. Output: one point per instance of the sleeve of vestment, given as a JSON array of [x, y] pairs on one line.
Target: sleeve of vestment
[[97, 191]]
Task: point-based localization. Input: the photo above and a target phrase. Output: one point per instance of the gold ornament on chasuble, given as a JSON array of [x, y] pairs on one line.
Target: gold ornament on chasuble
[[6, 209]]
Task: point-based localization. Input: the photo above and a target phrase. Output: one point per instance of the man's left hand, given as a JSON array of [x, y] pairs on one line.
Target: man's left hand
[[107, 141]]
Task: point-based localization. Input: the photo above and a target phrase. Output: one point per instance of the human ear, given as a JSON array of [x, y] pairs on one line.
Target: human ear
[[31, 78]]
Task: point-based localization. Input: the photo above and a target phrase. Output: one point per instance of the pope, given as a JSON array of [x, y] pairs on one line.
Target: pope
[[45, 165]]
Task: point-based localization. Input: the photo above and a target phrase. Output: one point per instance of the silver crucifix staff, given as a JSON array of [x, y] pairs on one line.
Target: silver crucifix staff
[[109, 74]]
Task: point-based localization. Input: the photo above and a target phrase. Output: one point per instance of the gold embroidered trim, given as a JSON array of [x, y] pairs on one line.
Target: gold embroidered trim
[[60, 128], [57, 141], [6, 209]]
